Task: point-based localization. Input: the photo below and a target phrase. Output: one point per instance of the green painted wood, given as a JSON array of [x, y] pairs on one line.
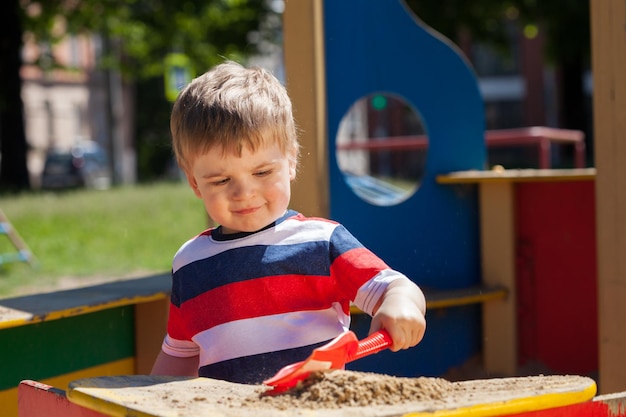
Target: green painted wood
[[51, 348]]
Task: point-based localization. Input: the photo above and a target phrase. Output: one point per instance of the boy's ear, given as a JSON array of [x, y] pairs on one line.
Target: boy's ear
[[292, 170], [193, 184], [293, 166]]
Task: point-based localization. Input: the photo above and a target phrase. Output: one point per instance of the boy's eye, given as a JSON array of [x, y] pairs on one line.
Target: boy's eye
[[220, 182], [263, 173]]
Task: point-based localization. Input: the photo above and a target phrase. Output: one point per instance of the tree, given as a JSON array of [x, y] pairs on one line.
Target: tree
[[139, 32], [13, 148]]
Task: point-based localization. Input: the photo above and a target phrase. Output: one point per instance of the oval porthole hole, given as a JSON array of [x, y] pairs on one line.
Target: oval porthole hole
[[381, 149]]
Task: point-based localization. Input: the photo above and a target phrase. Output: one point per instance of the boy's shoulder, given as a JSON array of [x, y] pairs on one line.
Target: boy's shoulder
[[299, 216], [294, 215], [298, 222]]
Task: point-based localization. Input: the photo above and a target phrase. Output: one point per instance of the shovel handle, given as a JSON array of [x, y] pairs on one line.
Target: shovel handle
[[373, 343]]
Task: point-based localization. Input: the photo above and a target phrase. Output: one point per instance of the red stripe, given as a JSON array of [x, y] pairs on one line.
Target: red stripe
[[356, 267], [176, 324], [276, 295], [260, 297]]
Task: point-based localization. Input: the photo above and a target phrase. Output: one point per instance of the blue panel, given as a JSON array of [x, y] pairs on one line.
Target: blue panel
[[452, 337], [375, 46], [378, 46]]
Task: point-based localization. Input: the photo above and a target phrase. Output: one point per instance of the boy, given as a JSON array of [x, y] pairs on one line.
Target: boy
[[268, 285]]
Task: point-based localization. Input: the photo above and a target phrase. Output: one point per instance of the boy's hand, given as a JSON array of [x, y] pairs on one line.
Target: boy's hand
[[401, 312]]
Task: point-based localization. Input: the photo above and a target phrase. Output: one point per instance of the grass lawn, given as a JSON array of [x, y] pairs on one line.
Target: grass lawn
[[84, 236]]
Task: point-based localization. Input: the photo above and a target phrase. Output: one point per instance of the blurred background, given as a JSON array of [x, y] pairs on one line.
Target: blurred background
[[102, 75], [99, 75], [87, 86]]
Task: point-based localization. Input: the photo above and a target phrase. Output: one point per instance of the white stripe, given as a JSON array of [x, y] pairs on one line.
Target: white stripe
[[289, 232], [251, 336], [368, 295], [179, 348]]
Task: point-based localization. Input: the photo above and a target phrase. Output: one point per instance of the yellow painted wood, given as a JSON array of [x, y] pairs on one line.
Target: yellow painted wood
[[457, 298], [461, 298], [111, 407], [146, 396], [303, 50], [608, 20], [8, 398], [517, 175], [516, 405]]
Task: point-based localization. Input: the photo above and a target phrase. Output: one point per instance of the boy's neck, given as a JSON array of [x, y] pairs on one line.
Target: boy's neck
[[219, 235]]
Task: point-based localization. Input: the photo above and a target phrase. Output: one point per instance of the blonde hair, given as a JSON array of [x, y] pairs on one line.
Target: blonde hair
[[232, 107]]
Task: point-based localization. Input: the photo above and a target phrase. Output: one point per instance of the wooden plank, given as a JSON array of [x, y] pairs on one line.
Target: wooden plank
[[9, 398], [150, 328], [36, 399], [464, 296], [478, 294], [303, 49], [457, 297], [608, 20], [517, 175], [36, 308], [144, 396], [497, 231]]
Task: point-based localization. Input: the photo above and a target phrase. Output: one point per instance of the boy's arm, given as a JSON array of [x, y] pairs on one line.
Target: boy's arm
[[173, 366], [401, 311]]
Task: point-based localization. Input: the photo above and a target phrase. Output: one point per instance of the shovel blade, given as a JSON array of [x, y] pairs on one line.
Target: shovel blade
[[332, 355]]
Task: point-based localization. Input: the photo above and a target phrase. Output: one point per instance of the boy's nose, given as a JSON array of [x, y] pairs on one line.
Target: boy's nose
[[242, 190]]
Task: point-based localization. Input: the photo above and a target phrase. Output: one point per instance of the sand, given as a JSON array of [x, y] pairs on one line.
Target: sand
[[331, 393]]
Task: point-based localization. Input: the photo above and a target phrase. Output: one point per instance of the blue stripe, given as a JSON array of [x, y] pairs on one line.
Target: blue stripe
[[341, 241], [256, 368], [247, 263], [239, 264]]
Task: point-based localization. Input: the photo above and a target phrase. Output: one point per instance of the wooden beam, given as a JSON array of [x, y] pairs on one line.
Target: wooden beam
[[608, 39], [150, 329], [497, 231], [304, 65], [36, 399]]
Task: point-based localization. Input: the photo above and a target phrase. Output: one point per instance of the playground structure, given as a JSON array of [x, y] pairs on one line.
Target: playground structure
[[305, 53], [20, 251], [473, 219]]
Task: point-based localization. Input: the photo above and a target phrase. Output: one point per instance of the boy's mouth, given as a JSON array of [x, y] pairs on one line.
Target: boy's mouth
[[245, 211]]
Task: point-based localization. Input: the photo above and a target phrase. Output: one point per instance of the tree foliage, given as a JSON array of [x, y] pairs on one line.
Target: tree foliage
[[136, 35], [144, 31]]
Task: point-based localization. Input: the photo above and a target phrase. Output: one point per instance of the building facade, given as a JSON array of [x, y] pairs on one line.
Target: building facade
[[68, 99]]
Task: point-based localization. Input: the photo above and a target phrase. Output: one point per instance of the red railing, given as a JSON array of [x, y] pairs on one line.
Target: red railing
[[539, 136]]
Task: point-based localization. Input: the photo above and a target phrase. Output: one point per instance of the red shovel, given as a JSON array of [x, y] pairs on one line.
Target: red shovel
[[333, 355]]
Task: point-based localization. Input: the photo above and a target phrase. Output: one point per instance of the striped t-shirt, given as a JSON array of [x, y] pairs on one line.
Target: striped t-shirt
[[250, 303]]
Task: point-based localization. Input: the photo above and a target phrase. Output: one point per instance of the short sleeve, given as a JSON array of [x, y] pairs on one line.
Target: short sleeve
[[179, 348], [368, 295]]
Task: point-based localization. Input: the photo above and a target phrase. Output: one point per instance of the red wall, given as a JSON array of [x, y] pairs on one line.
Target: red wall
[[556, 275]]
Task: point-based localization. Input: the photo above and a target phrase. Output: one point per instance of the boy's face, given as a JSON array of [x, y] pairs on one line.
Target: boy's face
[[243, 193]]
